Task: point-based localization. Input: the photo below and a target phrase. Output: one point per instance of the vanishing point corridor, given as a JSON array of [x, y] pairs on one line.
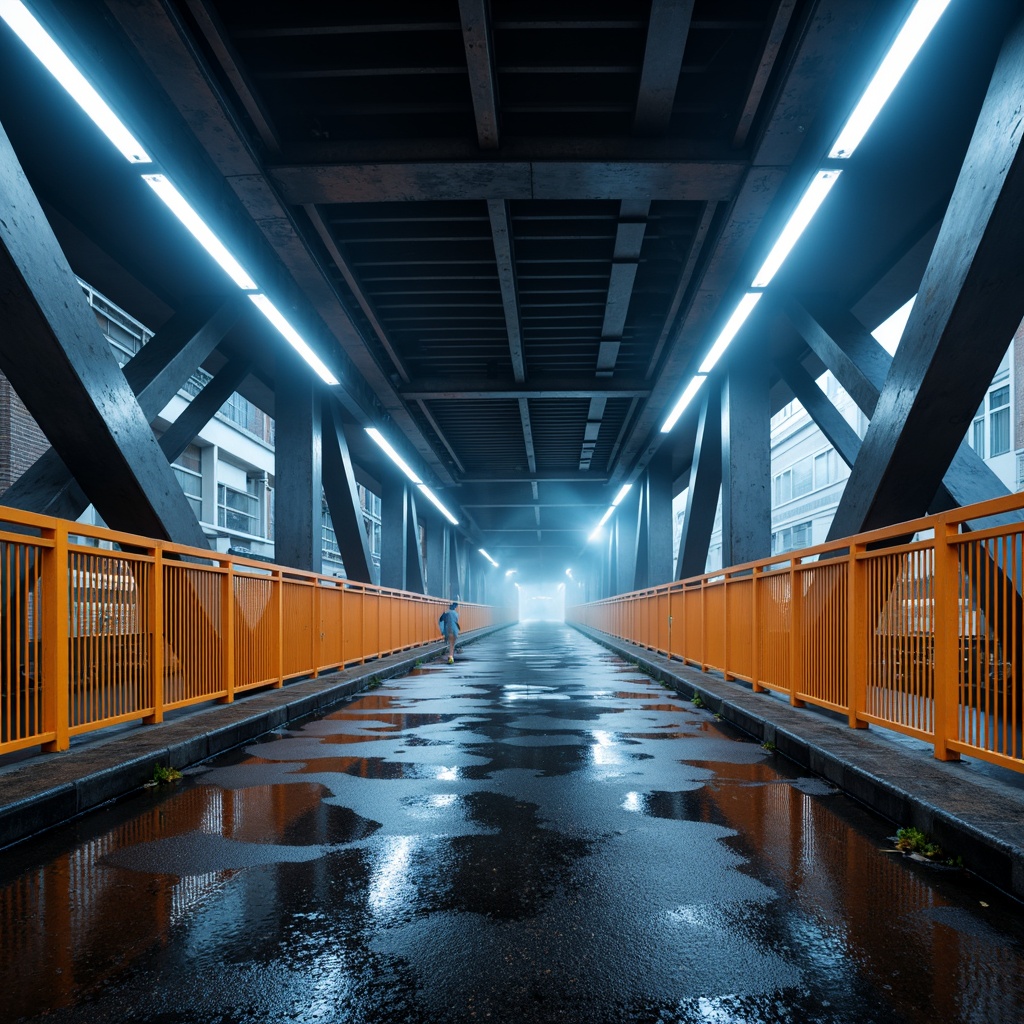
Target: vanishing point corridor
[[539, 832]]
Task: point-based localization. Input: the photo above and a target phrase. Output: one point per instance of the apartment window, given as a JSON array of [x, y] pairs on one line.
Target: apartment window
[[999, 420], [792, 538], [188, 469], [239, 510], [978, 432]]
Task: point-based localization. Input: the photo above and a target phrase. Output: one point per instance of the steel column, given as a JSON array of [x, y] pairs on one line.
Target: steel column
[[298, 486], [703, 492]]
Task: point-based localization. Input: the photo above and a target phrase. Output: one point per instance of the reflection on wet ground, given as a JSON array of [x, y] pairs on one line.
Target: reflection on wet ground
[[537, 833]]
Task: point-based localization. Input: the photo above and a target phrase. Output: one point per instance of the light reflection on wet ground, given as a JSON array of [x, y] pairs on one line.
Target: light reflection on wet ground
[[537, 833]]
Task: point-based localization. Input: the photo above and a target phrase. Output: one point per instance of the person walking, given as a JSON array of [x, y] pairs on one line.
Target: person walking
[[449, 623]]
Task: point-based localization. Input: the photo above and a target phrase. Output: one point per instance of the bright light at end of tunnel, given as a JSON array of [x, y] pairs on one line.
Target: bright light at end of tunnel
[[179, 206], [813, 197], [53, 58], [687, 396], [273, 314], [433, 498], [488, 557], [910, 39], [393, 455]]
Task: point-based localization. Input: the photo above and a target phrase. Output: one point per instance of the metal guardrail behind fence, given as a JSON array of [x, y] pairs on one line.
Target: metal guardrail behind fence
[[95, 636], [917, 628]]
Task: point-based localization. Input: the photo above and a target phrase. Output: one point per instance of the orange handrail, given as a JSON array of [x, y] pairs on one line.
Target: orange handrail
[[100, 627], [918, 628]]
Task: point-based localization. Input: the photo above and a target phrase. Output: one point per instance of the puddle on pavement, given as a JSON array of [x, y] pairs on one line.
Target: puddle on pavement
[[613, 857]]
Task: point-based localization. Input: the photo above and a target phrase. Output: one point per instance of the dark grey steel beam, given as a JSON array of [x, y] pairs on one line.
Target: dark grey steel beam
[[746, 459], [819, 407], [769, 55], [501, 232], [620, 291], [623, 178], [184, 430], [626, 526], [861, 365], [483, 82], [298, 474], [524, 418], [394, 532], [154, 374], [704, 490], [342, 496], [657, 511], [667, 30], [254, 210], [970, 304], [61, 366], [845, 346], [427, 389]]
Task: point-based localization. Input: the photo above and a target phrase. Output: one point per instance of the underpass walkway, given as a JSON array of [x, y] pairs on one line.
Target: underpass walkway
[[540, 832]]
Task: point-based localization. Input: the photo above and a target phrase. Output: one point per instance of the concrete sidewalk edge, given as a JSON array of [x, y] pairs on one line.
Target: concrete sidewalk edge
[[50, 789], [968, 814]]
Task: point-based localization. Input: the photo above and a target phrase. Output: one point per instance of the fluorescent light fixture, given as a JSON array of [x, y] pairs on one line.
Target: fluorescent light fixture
[[626, 488], [271, 312], [53, 58], [178, 205], [812, 198], [729, 331], [393, 455], [600, 525], [915, 31], [691, 389], [488, 557], [432, 497]]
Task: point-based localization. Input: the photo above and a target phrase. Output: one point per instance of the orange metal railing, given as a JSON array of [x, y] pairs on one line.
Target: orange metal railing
[[917, 628], [99, 627]]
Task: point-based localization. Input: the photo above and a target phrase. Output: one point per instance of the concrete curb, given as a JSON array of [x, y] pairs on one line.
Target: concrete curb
[[975, 816], [49, 789]]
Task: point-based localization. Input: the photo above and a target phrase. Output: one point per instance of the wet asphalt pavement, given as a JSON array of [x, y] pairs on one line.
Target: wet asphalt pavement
[[537, 833]]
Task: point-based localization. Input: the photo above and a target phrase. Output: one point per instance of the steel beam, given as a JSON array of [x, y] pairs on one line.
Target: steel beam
[[654, 532], [483, 82], [969, 305], [746, 460], [298, 477], [504, 254], [704, 490], [436, 389], [154, 374], [714, 180], [184, 430], [626, 524], [861, 366], [667, 30], [61, 366], [342, 496], [819, 407]]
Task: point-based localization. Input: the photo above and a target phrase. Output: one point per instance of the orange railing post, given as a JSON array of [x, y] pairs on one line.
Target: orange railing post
[[796, 633], [155, 636], [857, 637], [56, 637], [755, 629], [946, 627], [227, 630]]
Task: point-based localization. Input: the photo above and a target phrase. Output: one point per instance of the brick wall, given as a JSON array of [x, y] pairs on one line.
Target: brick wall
[[21, 440]]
